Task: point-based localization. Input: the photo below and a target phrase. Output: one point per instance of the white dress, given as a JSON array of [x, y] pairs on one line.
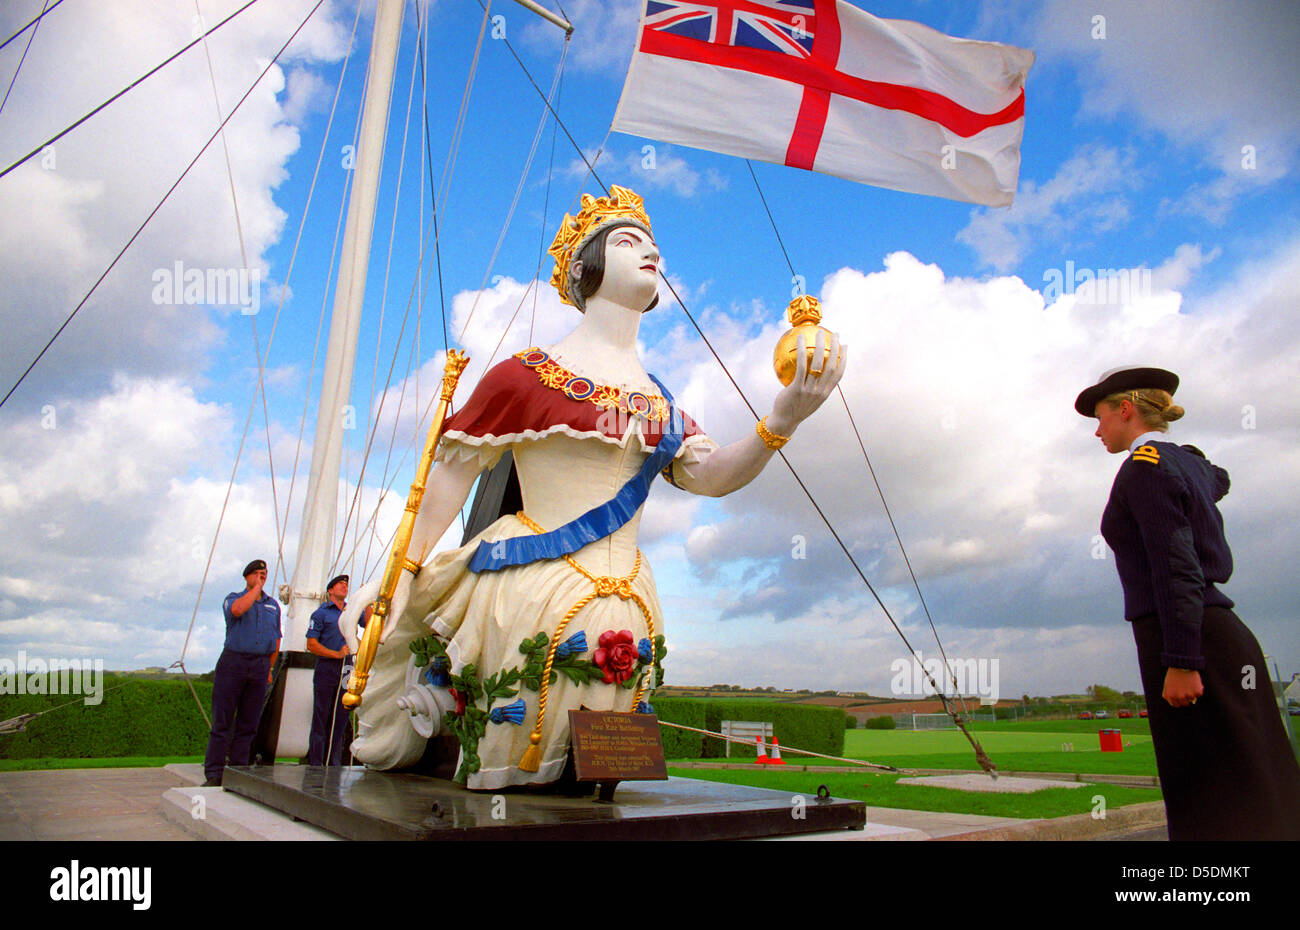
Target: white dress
[[565, 469]]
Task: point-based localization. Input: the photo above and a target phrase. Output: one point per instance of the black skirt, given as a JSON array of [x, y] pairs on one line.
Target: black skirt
[[1227, 770]]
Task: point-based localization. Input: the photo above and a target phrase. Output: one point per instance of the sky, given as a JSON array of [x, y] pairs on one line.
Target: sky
[[1161, 139]]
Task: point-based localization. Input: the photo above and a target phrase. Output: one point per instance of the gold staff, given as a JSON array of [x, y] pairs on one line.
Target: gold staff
[[397, 560]]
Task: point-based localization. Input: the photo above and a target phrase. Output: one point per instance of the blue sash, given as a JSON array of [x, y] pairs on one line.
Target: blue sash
[[596, 523]]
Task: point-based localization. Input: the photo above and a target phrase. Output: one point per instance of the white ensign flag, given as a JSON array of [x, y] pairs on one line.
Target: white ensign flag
[[822, 85]]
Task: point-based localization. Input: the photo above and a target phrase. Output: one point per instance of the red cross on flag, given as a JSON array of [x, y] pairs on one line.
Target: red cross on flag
[[822, 85]]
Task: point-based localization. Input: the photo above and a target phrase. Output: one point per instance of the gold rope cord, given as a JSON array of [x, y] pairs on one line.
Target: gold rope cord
[[605, 586]]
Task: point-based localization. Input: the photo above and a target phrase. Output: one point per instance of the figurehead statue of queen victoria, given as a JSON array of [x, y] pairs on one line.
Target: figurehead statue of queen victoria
[[555, 607]]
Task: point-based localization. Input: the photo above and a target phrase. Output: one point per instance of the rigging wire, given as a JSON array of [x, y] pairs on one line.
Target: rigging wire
[[982, 758], [26, 49], [433, 201], [33, 22], [384, 396], [155, 210], [519, 187], [338, 227], [252, 406], [505, 228], [252, 317], [144, 77], [879, 491], [546, 209], [453, 147], [372, 413]]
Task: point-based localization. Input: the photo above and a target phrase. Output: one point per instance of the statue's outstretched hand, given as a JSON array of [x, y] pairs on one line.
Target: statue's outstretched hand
[[800, 398], [366, 595]]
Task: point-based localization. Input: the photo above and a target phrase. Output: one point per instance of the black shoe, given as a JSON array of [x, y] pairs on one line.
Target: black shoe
[[211, 783]]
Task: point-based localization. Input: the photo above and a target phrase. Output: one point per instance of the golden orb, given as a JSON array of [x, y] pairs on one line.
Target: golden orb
[[804, 313]]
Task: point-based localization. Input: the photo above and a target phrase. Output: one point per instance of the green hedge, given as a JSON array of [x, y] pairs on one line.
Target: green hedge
[[819, 729], [880, 723], [149, 717], [144, 717]]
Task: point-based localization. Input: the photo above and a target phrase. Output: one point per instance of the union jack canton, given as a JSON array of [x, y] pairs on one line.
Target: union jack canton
[[785, 26]]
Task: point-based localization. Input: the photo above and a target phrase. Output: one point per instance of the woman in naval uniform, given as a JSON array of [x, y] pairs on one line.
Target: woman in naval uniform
[[1226, 768]]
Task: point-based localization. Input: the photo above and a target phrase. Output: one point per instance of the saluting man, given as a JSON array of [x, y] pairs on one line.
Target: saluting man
[[243, 672], [328, 718]]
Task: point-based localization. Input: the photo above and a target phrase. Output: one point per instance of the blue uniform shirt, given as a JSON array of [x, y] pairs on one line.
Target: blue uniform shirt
[[324, 626], [258, 630]]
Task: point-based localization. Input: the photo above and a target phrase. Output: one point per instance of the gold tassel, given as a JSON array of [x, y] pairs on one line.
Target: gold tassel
[[532, 759]]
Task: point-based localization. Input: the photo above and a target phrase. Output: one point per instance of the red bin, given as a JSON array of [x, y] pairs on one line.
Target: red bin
[[1111, 740]]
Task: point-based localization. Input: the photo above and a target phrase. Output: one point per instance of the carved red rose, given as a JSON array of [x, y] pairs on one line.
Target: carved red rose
[[616, 656], [461, 702]]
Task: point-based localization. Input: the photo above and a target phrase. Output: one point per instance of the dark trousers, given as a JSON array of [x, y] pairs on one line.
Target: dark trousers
[[329, 719], [1226, 768], [238, 690]]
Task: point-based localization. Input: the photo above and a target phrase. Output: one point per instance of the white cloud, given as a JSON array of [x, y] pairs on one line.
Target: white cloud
[[1087, 195], [1214, 78], [654, 167], [963, 391], [603, 38], [69, 214]]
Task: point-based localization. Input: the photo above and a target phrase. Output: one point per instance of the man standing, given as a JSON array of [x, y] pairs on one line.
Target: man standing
[[329, 719], [243, 672]]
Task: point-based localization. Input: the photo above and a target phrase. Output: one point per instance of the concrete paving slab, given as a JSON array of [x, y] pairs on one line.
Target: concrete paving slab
[[937, 825], [128, 804], [1002, 785], [190, 773], [86, 804], [217, 814], [1147, 818], [877, 832]]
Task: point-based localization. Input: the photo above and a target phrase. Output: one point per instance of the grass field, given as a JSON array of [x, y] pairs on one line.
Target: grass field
[[119, 762], [1071, 746], [881, 790], [1031, 746]]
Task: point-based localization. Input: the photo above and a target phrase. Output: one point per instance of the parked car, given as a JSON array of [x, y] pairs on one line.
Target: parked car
[[1102, 714], [1142, 712], [1125, 714], [1085, 715]]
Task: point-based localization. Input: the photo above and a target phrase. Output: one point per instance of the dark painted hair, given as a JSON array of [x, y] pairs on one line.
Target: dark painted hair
[[592, 257]]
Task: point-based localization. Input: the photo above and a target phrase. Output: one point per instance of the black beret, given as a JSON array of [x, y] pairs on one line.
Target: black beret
[[1124, 379], [257, 565], [335, 580]]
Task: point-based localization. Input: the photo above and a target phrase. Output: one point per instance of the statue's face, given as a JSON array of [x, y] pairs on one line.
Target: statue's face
[[631, 276]]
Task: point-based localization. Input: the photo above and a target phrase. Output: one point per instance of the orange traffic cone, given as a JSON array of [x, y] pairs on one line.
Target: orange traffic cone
[[762, 752], [776, 752]]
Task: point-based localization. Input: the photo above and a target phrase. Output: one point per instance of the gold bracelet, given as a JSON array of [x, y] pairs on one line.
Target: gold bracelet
[[411, 566], [770, 439]]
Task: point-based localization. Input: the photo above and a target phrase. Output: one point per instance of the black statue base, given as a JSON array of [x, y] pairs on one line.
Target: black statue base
[[358, 804]]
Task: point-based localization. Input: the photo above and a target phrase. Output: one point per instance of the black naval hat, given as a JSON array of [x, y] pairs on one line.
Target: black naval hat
[[257, 565], [1128, 378], [335, 580]]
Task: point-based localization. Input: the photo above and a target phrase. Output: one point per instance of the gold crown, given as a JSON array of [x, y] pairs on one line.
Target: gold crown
[[622, 207]]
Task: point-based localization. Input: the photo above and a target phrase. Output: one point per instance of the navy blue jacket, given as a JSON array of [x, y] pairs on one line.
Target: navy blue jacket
[[1167, 535]]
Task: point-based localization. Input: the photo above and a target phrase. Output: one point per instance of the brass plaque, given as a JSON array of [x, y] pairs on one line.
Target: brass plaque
[[609, 746]]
